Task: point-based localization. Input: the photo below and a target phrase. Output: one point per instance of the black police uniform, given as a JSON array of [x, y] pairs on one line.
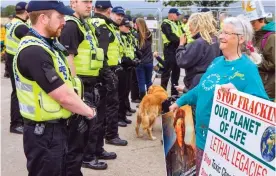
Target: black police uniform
[[109, 98], [82, 145], [171, 68], [46, 152], [124, 77], [16, 118], [45, 143], [134, 95]]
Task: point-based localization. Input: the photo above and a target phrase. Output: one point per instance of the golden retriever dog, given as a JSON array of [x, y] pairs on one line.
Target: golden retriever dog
[[149, 109]]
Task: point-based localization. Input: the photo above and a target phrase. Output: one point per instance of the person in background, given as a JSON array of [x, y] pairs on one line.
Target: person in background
[[236, 69], [145, 68], [170, 35], [109, 41], [222, 16], [85, 60], [196, 57], [128, 62], [15, 30], [205, 10], [130, 111], [185, 26], [134, 93], [3, 56], [264, 40]]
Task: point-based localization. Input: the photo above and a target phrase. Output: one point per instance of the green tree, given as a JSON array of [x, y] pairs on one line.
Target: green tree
[[199, 3], [7, 11], [150, 16], [138, 15]]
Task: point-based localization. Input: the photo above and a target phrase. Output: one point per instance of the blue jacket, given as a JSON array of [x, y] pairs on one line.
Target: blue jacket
[[242, 73]]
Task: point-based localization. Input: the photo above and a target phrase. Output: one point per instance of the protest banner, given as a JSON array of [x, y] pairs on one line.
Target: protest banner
[[241, 136], [179, 142]]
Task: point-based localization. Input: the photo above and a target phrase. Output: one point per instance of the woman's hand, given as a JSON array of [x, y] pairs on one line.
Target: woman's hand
[[173, 107], [183, 39], [155, 54], [228, 87], [179, 88]]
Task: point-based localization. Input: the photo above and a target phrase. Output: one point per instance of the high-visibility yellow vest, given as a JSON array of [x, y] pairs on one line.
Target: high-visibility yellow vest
[[114, 52], [34, 103], [135, 40], [11, 40], [90, 57], [129, 48], [188, 33], [175, 30]]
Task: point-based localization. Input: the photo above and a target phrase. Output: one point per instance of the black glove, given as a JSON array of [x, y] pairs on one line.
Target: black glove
[[88, 98], [118, 69], [82, 126], [109, 79], [136, 62], [78, 123]]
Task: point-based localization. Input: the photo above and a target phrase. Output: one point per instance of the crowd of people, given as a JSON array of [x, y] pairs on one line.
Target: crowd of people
[[72, 74]]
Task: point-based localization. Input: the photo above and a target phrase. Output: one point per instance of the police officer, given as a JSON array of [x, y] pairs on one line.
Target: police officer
[[134, 44], [86, 60], [117, 16], [171, 33], [186, 30], [135, 97], [15, 30], [45, 89], [124, 76], [109, 41]]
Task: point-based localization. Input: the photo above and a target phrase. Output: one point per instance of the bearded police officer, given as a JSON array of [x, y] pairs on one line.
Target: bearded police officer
[[16, 29], [171, 33], [86, 60], [45, 89], [109, 41]]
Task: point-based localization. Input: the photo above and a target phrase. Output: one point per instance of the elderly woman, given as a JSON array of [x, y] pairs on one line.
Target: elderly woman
[[239, 56], [198, 55]]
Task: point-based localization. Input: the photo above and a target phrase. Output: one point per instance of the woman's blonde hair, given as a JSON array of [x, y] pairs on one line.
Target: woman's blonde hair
[[205, 24], [143, 31], [242, 26]]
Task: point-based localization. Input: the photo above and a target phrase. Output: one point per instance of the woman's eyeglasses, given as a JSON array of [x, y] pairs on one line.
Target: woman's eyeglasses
[[227, 33]]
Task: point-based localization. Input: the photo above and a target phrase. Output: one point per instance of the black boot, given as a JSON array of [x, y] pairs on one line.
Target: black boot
[[94, 164]]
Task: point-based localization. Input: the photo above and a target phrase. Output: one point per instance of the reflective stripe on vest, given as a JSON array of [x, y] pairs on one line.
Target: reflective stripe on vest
[[11, 40], [128, 43], [90, 58], [175, 30], [34, 103], [114, 49]]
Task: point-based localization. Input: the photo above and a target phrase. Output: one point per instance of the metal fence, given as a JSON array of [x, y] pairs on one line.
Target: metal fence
[[159, 16]]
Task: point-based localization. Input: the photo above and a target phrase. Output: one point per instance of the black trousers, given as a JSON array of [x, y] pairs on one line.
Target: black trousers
[[16, 118], [134, 86], [96, 129], [77, 142], [172, 70], [124, 78], [46, 153], [112, 108]]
